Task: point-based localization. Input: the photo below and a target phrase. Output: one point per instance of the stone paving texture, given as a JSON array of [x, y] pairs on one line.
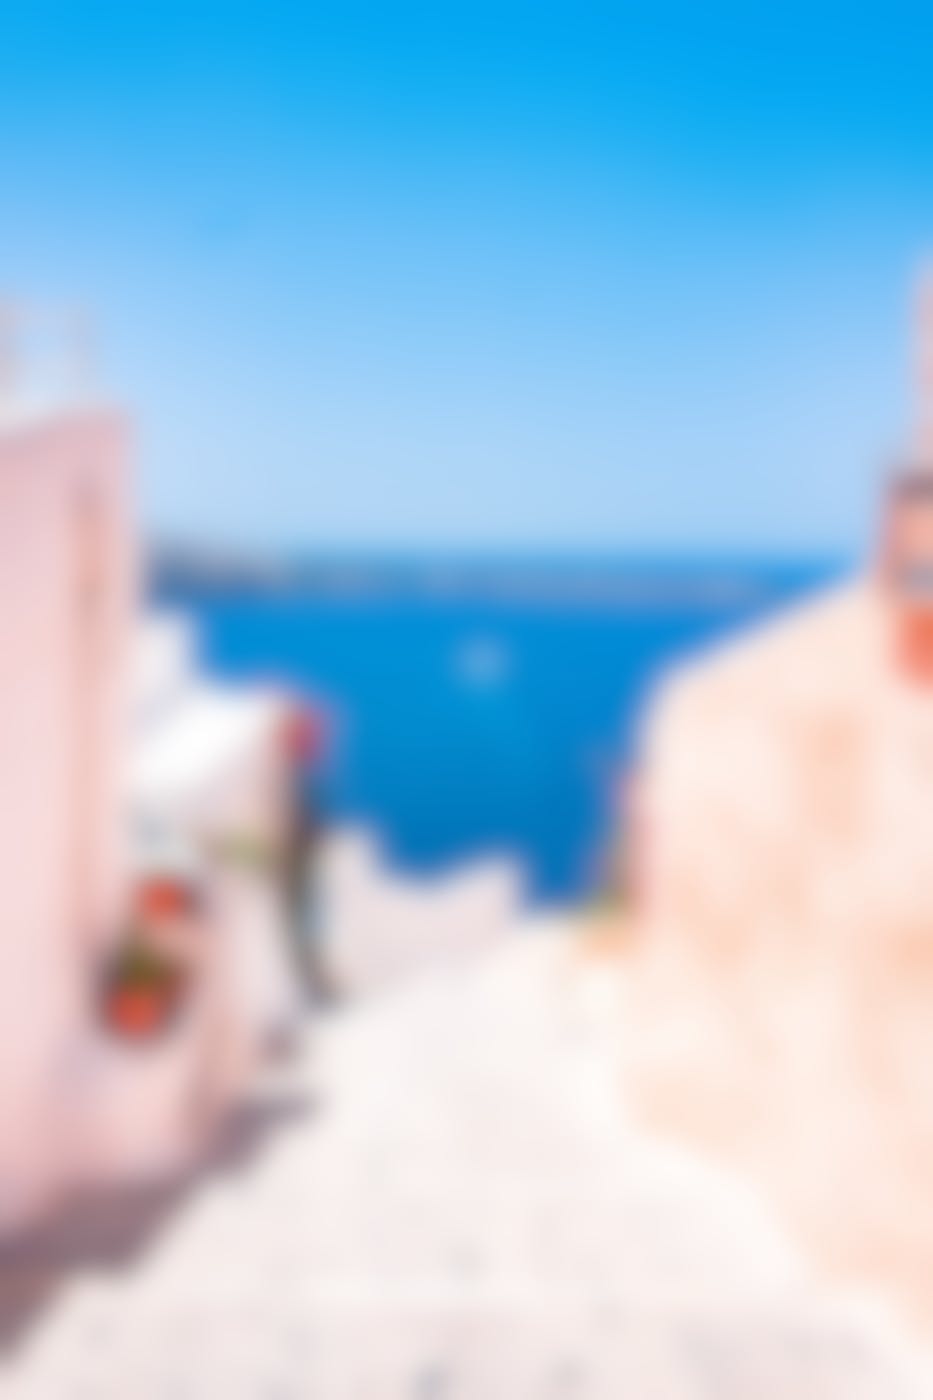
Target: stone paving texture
[[448, 1204]]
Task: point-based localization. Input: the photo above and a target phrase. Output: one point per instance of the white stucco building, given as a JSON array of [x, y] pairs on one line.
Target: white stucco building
[[67, 594], [107, 723]]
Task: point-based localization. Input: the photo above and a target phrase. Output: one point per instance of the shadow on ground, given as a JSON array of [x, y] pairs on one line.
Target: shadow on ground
[[111, 1230]]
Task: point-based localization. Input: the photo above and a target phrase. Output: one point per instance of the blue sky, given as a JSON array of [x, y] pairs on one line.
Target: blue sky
[[487, 275]]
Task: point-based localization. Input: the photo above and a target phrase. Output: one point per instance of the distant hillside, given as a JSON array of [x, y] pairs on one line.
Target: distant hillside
[[519, 581]]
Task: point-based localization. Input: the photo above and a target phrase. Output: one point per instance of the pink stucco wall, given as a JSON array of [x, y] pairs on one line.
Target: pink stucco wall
[[66, 605]]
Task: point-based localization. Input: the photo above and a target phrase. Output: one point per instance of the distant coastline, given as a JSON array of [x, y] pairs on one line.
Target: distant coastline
[[509, 581]]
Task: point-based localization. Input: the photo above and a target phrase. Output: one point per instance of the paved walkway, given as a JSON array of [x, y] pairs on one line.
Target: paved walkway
[[448, 1205]]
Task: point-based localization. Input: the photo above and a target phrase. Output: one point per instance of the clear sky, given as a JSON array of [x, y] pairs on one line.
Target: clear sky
[[488, 275]]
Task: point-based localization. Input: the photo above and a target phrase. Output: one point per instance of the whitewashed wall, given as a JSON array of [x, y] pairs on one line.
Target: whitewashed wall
[[67, 584]]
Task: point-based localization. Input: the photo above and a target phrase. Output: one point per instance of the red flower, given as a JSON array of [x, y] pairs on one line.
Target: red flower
[[162, 897]]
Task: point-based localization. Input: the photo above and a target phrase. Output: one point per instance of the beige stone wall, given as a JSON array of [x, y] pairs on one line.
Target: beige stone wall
[[782, 987]]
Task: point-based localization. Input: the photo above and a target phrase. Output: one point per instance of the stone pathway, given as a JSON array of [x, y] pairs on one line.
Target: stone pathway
[[457, 1210]]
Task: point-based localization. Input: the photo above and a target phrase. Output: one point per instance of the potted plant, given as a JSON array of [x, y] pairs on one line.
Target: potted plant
[[143, 990]]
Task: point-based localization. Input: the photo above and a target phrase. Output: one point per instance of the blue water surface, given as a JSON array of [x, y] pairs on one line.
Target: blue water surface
[[468, 725]]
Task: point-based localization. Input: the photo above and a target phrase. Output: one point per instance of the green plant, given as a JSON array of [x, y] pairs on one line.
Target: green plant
[[245, 851], [138, 964]]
